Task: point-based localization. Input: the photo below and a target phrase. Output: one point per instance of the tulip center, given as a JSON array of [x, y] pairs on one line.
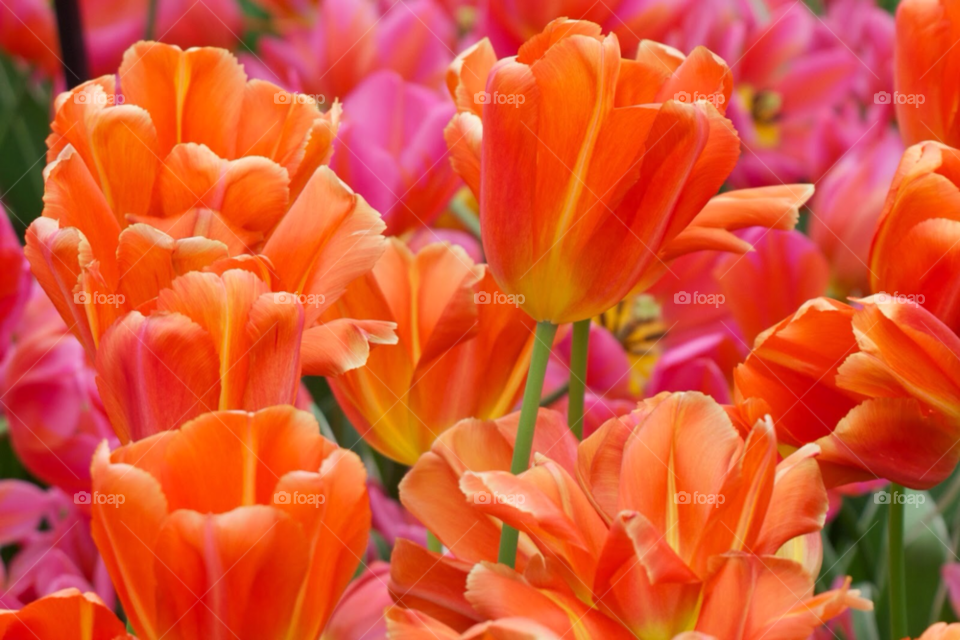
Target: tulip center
[[764, 107], [638, 325]]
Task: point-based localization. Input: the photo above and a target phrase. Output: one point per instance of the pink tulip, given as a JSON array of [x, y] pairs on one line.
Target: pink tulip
[[391, 520], [848, 204], [15, 281], [48, 394], [359, 615], [462, 239], [703, 364], [58, 556], [390, 150], [331, 52], [786, 80]]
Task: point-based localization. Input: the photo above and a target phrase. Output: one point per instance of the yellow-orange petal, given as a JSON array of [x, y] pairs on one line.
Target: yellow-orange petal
[[328, 238], [148, 261], [191, 96], [337, 534], [124, 149], [54, 257], [342, 345], [464, 137], [124, 535], [467, 76], [250, 193], [318, 150], [72, 196]]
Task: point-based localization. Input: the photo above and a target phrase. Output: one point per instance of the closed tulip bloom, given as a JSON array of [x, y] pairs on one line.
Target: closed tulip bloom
[[463, 349], [66, 615], [592, 171], [179, 178], [662, 522], [391, 150], [916, 245], [213, 342], [925, 65], [245, 524], [877, 388]]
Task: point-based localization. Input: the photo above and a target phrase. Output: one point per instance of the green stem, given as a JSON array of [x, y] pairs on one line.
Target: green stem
[[578, 376], [433, 543], [897, 586], [151, 20], [528, 421], [466, 216]]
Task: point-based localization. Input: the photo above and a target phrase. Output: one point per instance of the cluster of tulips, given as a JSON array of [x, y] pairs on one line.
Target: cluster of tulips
[[624, 393]]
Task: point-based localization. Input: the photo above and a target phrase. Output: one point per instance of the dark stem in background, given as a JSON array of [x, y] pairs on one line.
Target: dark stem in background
[[151, 20], [72, 52]]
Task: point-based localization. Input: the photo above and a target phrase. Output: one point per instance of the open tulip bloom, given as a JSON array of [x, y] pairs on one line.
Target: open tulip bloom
[[468, 194]]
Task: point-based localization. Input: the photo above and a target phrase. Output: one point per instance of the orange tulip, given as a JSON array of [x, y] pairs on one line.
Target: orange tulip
[[925, 70], [463, 349], [664, 521], [64, 615], [877, 389], [198, 169], [916, 245], [590, 169], [237, 524]]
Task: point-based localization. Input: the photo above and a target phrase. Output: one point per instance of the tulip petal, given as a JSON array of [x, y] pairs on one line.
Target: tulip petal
[[156, 373], [125, 532], [431, 583], [73, 197], [342, 345], [192, 96], [228, 573], [327, 239], [124, 148], [878, 439]]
